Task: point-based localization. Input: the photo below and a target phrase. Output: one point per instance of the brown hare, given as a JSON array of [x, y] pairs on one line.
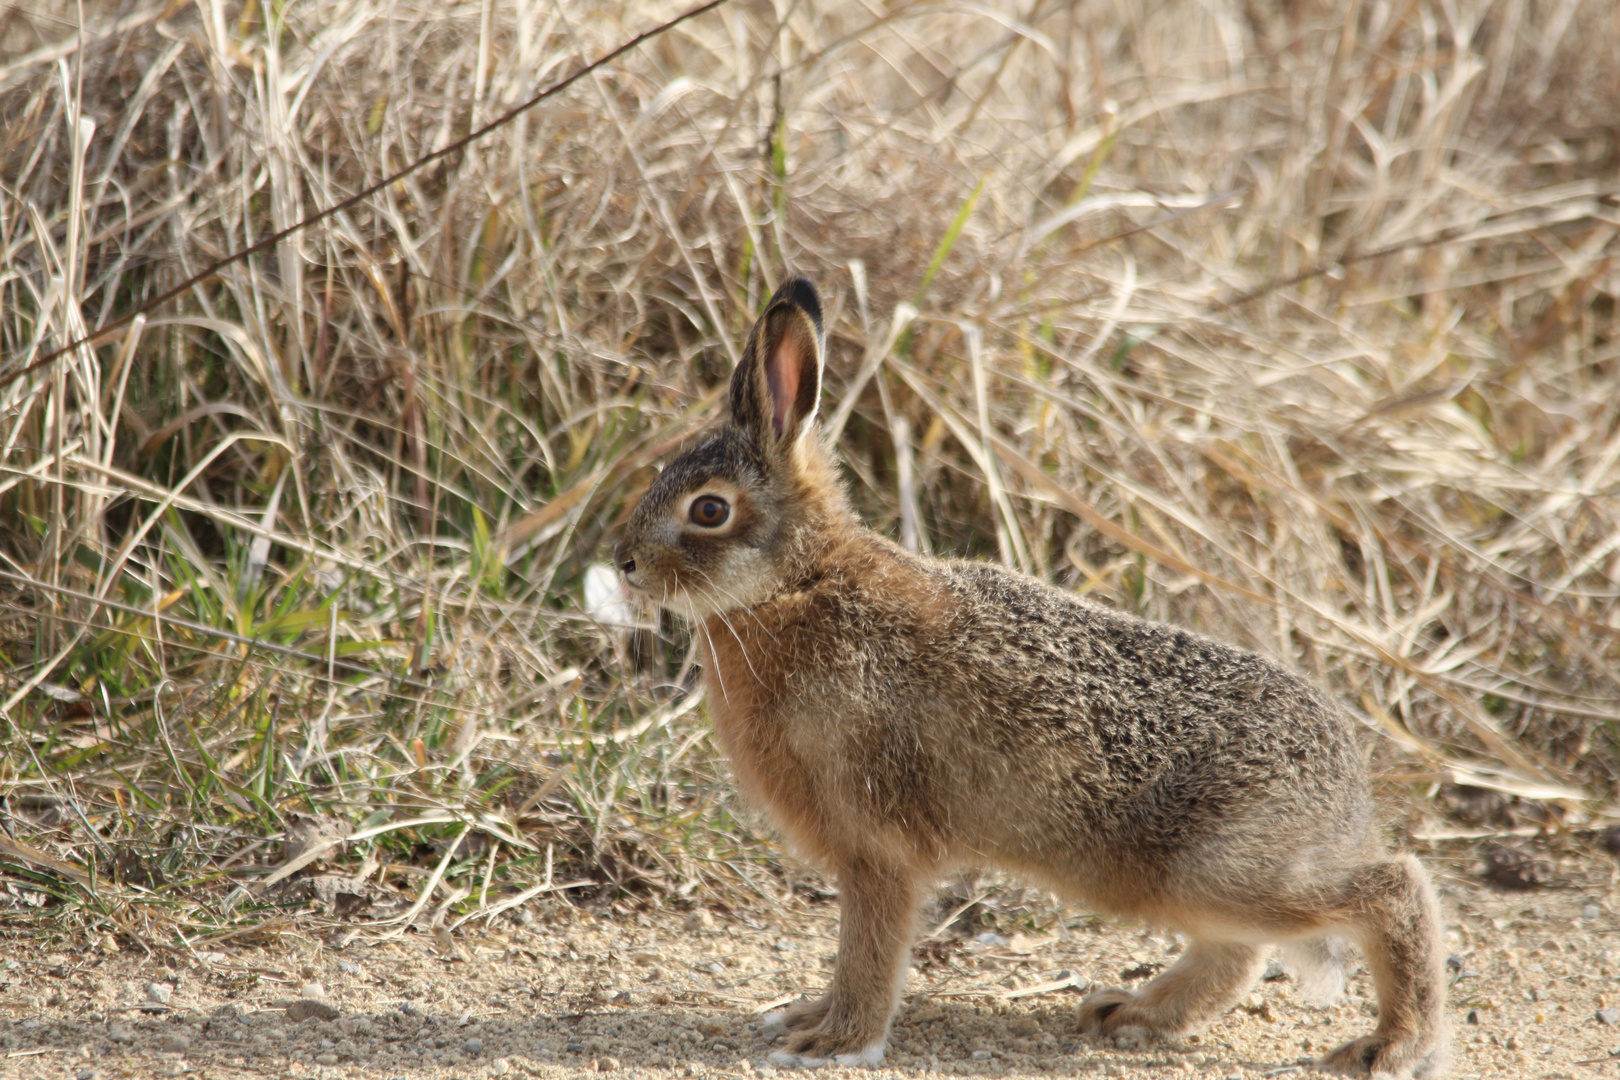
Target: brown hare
[[898, 716]]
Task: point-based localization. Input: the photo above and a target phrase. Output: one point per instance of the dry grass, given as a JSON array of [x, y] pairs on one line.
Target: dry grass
[[1295, 325]]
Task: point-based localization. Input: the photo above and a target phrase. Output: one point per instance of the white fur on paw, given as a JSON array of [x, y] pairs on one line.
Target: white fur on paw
[[774, 1021], [1318, 967], [795, 1061], [869, 1058], [1434, 1064]]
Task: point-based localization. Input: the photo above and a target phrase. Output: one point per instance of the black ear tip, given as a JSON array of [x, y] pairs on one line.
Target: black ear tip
[[801, 294]]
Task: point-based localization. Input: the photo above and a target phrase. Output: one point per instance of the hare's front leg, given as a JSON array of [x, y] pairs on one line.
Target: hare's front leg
[[850, 1025]]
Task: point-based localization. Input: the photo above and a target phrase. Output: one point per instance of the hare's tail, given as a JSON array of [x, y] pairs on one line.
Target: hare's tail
[[1317, 966]]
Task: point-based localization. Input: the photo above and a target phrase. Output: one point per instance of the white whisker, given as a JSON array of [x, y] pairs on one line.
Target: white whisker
[[714, 659], [736, 600], [740, 646], [726, 622]]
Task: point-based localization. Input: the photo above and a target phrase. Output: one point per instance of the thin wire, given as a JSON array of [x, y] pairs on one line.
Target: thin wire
[[460, 144]]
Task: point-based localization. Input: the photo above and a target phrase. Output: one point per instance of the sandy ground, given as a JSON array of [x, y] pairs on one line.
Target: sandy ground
[[672, 995]]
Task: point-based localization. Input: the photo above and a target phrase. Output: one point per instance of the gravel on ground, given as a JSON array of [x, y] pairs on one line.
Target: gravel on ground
[[1535, 993]]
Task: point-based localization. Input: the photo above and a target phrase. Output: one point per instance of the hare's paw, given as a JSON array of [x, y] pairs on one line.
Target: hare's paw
[[1386, 1059], [799, 1016], [812, 1049], [1097, 1008], [812, 1042], [1117, 1016]]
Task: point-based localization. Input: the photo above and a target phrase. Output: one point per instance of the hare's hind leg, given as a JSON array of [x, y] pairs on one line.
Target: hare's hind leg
[[850, 1025], [1207, 980], [1391, 909]]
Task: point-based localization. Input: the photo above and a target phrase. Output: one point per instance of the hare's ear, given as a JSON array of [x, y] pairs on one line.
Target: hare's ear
[[776, 387]]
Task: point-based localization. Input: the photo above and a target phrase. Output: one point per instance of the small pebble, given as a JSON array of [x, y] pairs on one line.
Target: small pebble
[[990, 937], [121, 1033], [348, 967], [328, 1058], [500, 1067], [607, 1064], [159, 992], [1274, 971], [173, 1043], [312, 990], [305, 1008], [983, 1055], [1609, 1017], [86, 1074], [473, 1047], [1591, 911]]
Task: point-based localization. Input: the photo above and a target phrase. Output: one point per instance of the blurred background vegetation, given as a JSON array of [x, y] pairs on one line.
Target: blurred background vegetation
[[1290, 321]]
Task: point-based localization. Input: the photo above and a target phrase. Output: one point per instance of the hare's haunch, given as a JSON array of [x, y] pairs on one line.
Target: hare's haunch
[[898, 716]]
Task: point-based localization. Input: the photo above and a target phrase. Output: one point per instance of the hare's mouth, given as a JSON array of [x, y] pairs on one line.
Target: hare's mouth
[[667, 591]]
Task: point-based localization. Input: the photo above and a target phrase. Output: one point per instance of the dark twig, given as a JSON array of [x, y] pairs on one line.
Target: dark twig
[[97, 336]]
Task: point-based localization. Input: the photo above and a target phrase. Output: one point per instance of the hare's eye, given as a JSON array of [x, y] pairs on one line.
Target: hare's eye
[[710, 511]]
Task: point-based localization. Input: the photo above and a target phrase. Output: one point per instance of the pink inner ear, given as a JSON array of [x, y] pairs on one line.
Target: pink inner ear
[[782, 376]]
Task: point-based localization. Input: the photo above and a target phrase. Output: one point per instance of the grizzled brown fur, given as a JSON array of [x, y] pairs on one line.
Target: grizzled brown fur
[[899, 716]]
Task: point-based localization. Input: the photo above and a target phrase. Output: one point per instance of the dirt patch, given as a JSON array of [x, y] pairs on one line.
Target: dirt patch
[[1535, 993]]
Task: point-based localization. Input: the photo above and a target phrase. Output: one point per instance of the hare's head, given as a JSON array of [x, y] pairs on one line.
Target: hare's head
[[730, 523]]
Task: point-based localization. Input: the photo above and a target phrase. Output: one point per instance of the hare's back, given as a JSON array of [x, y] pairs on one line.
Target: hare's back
[[1156, 707]]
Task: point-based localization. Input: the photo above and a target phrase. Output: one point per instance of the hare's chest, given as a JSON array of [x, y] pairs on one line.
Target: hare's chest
[[755, 722]]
